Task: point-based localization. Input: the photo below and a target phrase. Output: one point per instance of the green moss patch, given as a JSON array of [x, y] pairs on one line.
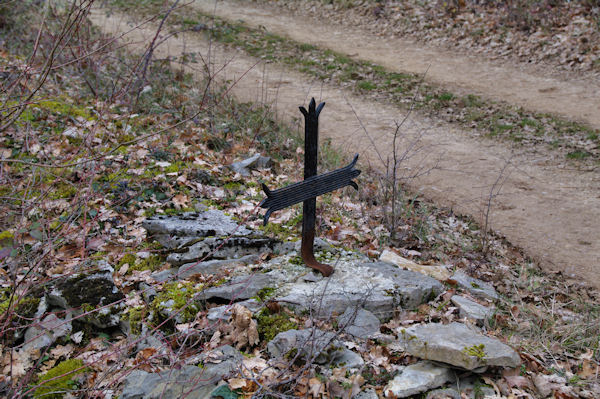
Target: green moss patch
[[134, 316], [269, 325], [152, 263], [177, 297], [477, 351], [25, 306], [59, 380]]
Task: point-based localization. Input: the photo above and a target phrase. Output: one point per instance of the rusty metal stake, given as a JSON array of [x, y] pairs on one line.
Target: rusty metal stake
[[309, 207]]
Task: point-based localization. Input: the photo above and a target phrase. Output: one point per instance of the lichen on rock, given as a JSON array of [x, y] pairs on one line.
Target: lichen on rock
[[93, 292]]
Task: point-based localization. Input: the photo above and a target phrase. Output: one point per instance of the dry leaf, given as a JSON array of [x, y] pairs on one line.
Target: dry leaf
[[145, 354], [357, 381], [336, 390], [244, 332], [215, 340], [589, 370], [518, 381], [96, 243], [77, 337], [18, 364], [237, 383], [63, 350], [180, 201], [315, 387]]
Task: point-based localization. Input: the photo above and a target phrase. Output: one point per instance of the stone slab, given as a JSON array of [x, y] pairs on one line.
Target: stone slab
[[475, 287], [189, 381], [46, 332], [359, 322], [417, 378], [378, 287], [472, 310], [238, 288], [457, 345], [94, 288], [222, 248], [195, 224]]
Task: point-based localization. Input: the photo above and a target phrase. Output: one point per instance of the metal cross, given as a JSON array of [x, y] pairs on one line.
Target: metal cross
[[310, 188]]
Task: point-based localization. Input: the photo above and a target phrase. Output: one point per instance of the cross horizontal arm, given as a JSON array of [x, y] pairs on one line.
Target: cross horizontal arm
[[309, 188]]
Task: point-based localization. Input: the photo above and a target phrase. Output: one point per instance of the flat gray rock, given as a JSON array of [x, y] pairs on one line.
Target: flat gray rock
[[309, 343], [417, 378], [359, 322], [239, 288], [46, 332], [458, 345], [164, 275], [94, 288], [475, 287], [472, 310], [411, 289], [346, 358], [378, 287], [214, 266], [312, 342], [222, 248], [255, 161], [195, 224], [189, 381]]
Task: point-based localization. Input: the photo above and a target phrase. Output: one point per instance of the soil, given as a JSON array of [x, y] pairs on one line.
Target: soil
[[533, 88], [544, 205]]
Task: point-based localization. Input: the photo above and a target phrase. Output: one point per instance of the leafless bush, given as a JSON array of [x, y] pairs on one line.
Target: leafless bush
[[48, 187], [407, 161]]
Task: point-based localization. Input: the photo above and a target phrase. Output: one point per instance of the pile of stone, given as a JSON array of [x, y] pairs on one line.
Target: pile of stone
[[359, 296]]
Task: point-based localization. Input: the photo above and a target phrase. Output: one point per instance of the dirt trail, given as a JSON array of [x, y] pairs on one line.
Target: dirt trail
[[551, 212], [576, 100]]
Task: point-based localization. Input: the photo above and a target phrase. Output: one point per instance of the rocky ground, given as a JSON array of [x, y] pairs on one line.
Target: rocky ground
[[134, 263], [238, 314]]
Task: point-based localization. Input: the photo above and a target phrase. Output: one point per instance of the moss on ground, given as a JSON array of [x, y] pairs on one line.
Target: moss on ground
[[269, 324], [265, 293], [134, 316], [60, 380], [177, 297], [25, 306], [152, 263]]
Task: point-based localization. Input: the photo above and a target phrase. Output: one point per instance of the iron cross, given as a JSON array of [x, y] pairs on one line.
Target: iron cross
[[310, 188]]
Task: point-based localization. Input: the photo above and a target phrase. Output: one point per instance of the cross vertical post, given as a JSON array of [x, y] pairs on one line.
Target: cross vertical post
[[307, 190], [309, 206]]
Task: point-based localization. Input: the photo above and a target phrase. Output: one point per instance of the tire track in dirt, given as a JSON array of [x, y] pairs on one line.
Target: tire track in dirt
[[577, 100], [550, 212]]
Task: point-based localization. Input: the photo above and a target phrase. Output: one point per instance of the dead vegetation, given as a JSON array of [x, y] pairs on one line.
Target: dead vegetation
[[93, 142]]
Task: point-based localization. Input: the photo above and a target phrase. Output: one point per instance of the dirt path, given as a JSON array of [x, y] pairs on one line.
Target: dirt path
[[576, 100], [552, 212]]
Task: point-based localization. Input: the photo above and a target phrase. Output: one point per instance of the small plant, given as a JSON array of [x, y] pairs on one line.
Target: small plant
[[265, 293], [578, 154], [477, 351], [366, 85]]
